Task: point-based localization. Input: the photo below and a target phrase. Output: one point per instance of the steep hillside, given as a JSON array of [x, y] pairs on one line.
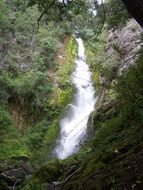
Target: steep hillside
[[35, 84]]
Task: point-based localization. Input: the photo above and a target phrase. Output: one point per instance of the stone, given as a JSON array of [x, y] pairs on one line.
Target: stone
[[72, 169]]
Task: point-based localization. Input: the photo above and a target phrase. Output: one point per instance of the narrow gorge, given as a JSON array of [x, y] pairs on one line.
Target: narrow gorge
[[71, 106]]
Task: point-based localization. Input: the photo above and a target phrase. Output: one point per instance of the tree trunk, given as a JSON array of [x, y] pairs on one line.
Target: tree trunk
[[135, 8]]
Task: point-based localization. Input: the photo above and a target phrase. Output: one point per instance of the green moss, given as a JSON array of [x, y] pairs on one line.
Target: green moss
[[11, 141], [50, 171], [32, 184], [52, 133], [12, 147], [64, 96], [67, 63]]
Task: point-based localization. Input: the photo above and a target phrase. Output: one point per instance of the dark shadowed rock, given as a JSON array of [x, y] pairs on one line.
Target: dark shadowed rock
[[72, 169], [23, 158]]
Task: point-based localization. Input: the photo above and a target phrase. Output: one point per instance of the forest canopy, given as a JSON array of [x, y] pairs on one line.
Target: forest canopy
[[67, 8]]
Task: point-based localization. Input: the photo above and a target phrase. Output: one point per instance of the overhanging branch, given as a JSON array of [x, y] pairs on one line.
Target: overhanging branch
[[44, 12]]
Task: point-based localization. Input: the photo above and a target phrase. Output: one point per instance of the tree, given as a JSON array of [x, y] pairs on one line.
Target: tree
[[65, 7], [117, 14], [61, 10]]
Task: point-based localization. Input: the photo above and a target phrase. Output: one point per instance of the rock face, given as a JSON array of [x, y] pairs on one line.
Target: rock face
[[121, 50], [127, 41]]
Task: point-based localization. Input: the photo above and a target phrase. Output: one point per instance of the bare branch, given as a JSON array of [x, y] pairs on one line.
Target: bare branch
[[44, 12]]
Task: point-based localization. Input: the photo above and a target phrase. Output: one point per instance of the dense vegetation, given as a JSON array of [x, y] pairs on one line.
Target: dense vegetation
[[35, 86], [32, 81]]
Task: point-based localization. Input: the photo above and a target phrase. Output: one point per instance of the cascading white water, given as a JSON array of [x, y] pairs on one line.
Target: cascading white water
[[74, 124]]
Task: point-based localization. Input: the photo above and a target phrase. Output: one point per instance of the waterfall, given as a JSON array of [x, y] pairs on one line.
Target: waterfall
[[74, 123]]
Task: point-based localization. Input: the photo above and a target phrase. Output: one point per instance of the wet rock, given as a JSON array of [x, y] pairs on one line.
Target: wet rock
[[14, 172], [17, 173], [47, 186], [7, 180], [13, 177], [57, 185], [53, 186], [72, 169], [27, 168], [109, 158], [129, 40]]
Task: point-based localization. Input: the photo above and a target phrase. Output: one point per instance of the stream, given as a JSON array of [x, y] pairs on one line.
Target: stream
[[74, 123]]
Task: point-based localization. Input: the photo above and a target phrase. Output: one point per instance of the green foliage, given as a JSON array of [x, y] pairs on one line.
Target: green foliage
[[49, 42], [11, 142], [34, 136], [52, 132], [117, 14], [35, 88], [37, 82], [132, 98], [26, 23], [26, 88], [67, 64], [59, 10], [4, 19], [32, 184], [5, 120], [125, 128], [64, 96], [49, 171], [107, 136], [86, 33], [12, 147], [4, 92]]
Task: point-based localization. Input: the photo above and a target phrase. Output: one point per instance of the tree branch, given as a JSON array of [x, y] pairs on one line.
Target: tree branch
[[45, 10], [104, 18]]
